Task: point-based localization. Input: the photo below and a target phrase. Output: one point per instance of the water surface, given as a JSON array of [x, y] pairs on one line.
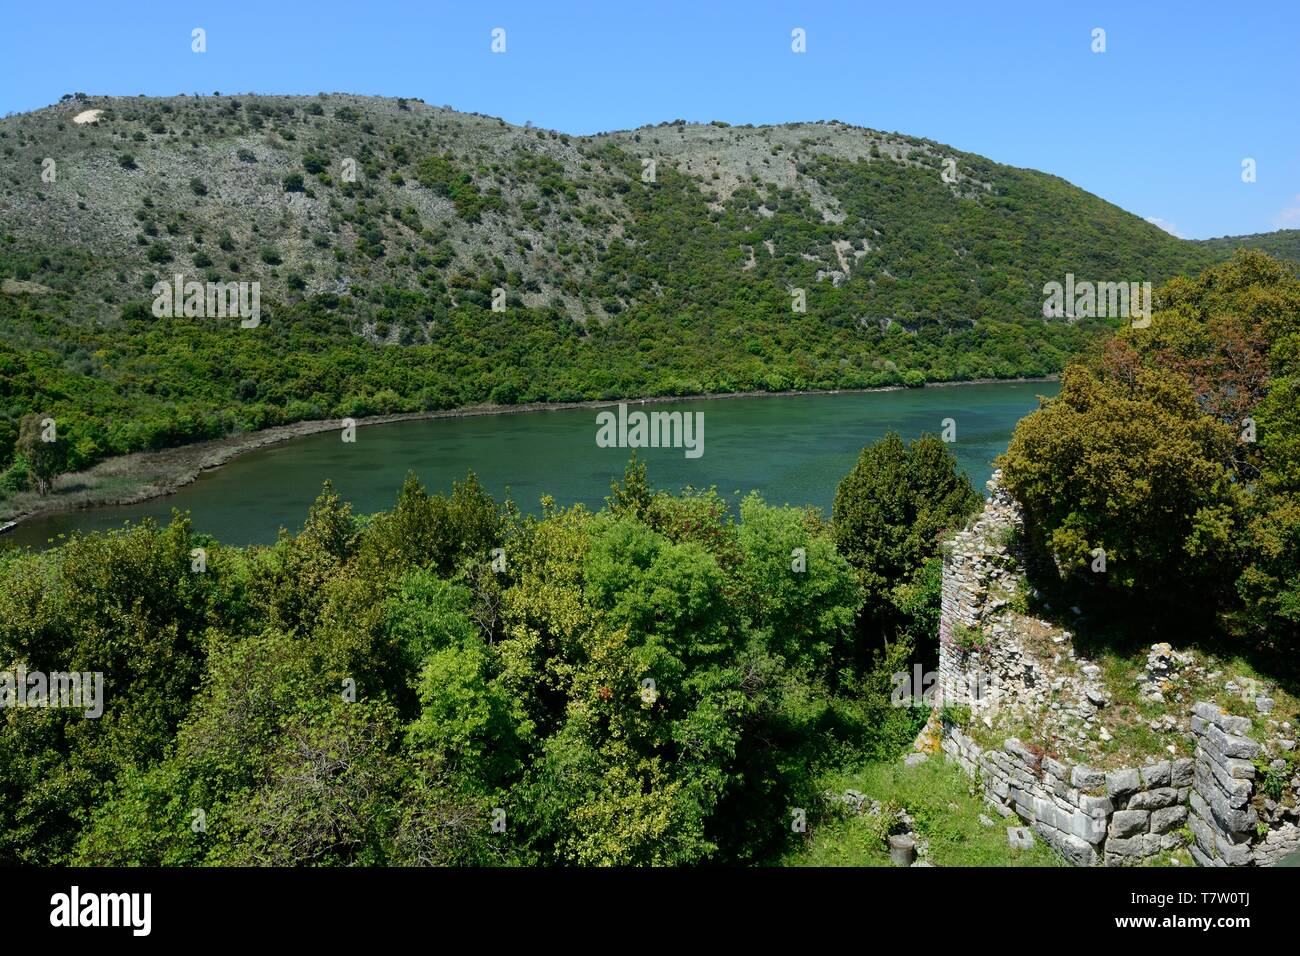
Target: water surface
[[791, 449]]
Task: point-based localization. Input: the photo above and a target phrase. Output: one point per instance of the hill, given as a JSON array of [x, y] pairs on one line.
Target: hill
[[380, 232], [1282, 244]]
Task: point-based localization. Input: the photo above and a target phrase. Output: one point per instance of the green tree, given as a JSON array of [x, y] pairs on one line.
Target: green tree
[[45, 451], [890, 513], [1136, 471]]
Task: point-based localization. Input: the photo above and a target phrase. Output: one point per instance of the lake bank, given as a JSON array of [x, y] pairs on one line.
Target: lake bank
[[144, 476]]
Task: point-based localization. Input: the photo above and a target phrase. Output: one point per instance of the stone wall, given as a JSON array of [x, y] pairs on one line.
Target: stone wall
[[1224, 821], [1118, 817], [978, 577], [1206, 803]]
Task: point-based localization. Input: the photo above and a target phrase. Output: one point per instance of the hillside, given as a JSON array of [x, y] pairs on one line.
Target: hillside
[[378, 230], [1282, 244]]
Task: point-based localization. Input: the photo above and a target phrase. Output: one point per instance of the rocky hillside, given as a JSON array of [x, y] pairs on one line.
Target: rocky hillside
[[410, 257], [315, 195]]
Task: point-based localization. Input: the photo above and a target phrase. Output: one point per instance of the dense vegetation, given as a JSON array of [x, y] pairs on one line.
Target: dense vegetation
[[1172, 453], [658, 682], [654, 683], [377, 288]]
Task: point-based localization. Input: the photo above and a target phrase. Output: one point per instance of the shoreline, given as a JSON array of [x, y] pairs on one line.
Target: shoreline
[[144, 475]]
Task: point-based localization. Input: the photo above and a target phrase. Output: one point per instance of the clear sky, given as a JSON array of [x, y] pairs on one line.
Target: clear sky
[[1159, 123]]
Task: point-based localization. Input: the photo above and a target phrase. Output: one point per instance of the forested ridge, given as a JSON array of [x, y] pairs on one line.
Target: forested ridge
[[380, 231]]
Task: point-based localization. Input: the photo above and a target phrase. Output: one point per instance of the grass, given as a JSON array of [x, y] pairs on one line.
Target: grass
[[939, 797]]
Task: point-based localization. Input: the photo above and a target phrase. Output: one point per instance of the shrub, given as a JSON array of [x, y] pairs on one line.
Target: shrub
[[1132, 468]]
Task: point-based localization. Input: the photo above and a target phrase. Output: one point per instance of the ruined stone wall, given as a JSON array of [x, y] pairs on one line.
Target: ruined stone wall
[[978, 574], [1090, 817], [1116, 817], [1224, 821]]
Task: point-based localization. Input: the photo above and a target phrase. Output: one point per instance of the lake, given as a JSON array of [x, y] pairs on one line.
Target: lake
[[791, 449]]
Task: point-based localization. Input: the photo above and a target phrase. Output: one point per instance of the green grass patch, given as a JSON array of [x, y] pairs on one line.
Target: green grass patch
[[939, 797]]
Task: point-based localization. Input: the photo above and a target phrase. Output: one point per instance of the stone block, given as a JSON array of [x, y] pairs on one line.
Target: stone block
[[1088, 828], [1234, 854], [1020, 838], [1155, 774], [1173, 840], [1128, 823], [1221, 718], [1025, 778], [1085, 778], [1057, 769], [1210, 777], [1076, 851], [1153, 799], [1239, 769], [1206, 711], [1229, 818], [1168, 818], [1196, 803], [1231, 745], [1131, 851], [1021, 753], [1049, 813], [1096, 805], [1121, 783]]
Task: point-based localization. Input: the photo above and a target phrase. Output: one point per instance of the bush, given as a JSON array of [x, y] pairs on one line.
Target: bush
[[1133, 469], [889, 514], [17, 477]]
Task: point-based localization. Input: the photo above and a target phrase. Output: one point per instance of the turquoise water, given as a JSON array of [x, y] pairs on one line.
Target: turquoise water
[[791, 449]]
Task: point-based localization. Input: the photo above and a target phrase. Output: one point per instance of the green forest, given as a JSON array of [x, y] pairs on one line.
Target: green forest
[[662, 681]]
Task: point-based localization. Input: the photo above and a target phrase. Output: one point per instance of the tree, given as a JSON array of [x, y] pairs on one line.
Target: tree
[[46, 453], [1137, 471], [799, 590], [890, 513]]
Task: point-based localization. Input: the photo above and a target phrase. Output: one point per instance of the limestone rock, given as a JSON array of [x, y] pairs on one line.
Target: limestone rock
[[1127, 823], [1121, 783], [1020, 838]]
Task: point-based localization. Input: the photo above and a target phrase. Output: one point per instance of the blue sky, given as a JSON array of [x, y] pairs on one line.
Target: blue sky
[[1158, 124]]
